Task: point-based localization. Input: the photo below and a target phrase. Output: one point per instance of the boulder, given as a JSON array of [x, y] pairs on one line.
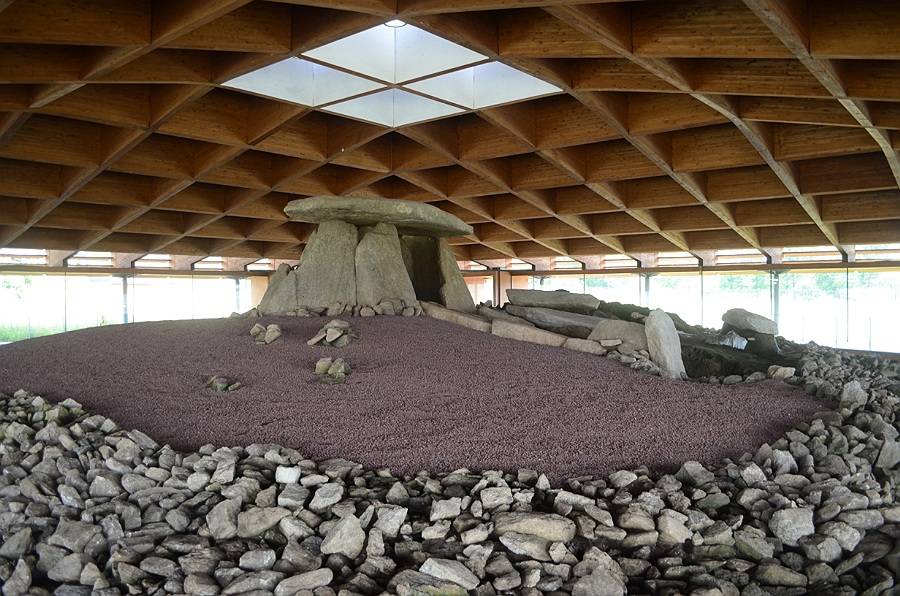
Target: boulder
[[380, 271], [454, 292], [558, 321], [745, 320], [327, 271], [628, 332], [560, 300], [665, 347], [412, 217]]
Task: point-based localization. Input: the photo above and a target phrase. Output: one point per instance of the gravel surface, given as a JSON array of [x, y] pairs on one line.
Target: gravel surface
[[424, 394]]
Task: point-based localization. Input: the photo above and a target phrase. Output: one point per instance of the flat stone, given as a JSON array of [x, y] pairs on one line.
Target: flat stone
[[450, 570], [549, 526], [304, 581], [742, 319], [559, 300], [558, 321], [346, 537], [790, 525], [607, 578], [410, 582], [527, 545], [436, 311], [490, 313], [584, 345], [518, 332], [412, 217], [256, 521], [222, 519], [614, 329], [326, 496]]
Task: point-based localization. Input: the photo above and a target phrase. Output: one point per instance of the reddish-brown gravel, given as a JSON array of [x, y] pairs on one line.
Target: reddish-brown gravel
[[424, 394]]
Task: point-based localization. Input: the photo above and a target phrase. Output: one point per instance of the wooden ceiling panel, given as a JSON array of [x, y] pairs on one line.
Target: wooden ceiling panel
[[679, 125], [702, 28]]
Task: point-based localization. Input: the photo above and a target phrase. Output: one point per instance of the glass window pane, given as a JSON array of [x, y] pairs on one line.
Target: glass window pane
[[481, 287], [214, 297], [31, 305], [93, 300], [571, 283], [679, 293], [813, 307], [722, 291], [874, 310], [161, 298], [625, 288]]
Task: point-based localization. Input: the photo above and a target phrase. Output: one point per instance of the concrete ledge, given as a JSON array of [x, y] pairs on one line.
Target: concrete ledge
[[534, 335], [436, 311]]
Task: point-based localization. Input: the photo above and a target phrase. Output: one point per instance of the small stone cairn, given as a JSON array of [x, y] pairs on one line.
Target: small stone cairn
[[332, 371], [335, 334], [223, 384], [265, 334]]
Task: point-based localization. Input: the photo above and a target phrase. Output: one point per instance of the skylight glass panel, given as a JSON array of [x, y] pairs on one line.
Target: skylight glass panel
[[393, 107], [484, 85], [302, 82], [395, 53], [393, 74]]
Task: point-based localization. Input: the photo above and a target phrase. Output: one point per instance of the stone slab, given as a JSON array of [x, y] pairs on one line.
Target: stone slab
[[558, 321], [560, 300], [628, 332], [519, 332], [409, 216], [436, 311]]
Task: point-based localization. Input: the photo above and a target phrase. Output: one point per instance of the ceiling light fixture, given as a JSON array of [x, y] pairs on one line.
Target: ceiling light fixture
[[395, 23]]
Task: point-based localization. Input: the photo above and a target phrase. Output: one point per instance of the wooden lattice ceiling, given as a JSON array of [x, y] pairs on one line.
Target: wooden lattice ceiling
[[684, 125]]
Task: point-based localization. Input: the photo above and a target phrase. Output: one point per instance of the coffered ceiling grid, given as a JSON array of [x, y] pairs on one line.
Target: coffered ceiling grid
[[692, 125]]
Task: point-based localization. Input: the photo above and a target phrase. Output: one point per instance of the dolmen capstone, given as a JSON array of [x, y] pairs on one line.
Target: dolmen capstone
[[370, 256]]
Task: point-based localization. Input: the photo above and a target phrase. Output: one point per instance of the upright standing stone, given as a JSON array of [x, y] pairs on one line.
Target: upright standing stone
[[328, 266], [281, 294], [454, 291], [380, 271], [664, 344]]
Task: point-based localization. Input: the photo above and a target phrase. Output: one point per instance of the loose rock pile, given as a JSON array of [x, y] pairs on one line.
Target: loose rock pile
[[332, 371], [222, 383], [88, 508], [336, 334], [265, 334]]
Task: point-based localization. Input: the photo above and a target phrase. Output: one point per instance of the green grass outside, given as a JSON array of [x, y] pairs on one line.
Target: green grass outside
[[17, 332]]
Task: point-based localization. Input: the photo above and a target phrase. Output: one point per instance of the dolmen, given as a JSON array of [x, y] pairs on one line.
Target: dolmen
[[370, 256]]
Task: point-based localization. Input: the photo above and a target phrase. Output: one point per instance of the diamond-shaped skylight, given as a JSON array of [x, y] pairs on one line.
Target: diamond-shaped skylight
[[393, 75]]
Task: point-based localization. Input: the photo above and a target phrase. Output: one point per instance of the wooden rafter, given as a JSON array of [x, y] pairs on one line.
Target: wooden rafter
[[686, 126]]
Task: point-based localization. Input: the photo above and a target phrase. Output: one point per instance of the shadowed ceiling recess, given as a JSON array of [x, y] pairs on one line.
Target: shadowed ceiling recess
[[660, 126]]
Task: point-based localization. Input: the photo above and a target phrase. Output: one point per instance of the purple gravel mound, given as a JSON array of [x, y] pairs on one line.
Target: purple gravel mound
[[424, 394]]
